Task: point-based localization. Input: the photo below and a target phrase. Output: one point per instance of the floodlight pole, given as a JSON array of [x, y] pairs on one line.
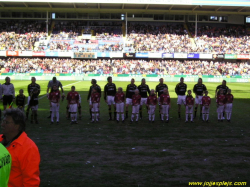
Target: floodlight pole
[[126, 24], [196, 25], [47, 24]]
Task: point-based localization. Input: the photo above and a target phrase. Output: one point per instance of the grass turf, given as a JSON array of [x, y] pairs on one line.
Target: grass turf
[[143, 154]]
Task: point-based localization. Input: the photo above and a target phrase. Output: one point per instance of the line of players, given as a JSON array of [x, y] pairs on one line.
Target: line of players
[[135, 96]]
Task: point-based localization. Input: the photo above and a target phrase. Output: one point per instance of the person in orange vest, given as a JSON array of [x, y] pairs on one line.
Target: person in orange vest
[[24, 152]]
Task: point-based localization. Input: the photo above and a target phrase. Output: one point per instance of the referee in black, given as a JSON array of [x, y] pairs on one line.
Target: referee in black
[[31, 87], [199, 89], [130, 91], [144, 92], [159, 89], [98, 89], [180, 90], [109, 96]]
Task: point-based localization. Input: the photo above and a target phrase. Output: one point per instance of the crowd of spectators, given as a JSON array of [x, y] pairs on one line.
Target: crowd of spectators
[[122, 66]]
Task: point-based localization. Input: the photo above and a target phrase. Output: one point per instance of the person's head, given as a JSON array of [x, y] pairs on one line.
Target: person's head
[[229, 91], [13, 122], [200, 81], [165, 91], [132, 81], [73, 88], [33, 79], [136, 91], [161, 80], [189, 92], [152, 92], [224, 82], [21, 91], [181, 79], [109, 79], [206, 92], [7, 80], [54, 79], [143, 81], [120, 90], [93, 81]]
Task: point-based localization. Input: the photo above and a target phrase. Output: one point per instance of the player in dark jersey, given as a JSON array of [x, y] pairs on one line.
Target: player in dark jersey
[[223, 86], [180, 90], [30, 88], [220, 100], [109, 96], [198, 89], [33, 104], [130, 91], [144, 92], [98, 89], [159, 89], [20, 100]]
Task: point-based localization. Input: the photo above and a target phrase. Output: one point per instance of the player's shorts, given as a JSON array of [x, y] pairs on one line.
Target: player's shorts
[[229, 107], [54, 107], [110, 100], [165, 109], [205, 109], [220, 109], [151, 109], [73, 108], [95, 107], [198, 100], [7, 99], [181, 100], [120, 107], [34, 107], [189, 109], [128, 101], [143, 101], [135, 109]]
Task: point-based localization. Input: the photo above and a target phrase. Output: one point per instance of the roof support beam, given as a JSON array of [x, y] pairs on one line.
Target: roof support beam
[[195, 8], [122, 6], [147, 6], [50, 5], [239, 10], [170, 8], [25, 4], [218, 8], [74, 5], [2, 5], [98, 6]]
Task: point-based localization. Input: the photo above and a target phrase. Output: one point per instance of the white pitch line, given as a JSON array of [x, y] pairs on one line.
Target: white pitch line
[[63, 87]]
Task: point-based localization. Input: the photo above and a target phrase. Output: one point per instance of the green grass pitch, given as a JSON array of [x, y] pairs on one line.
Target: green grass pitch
[[144, 154]]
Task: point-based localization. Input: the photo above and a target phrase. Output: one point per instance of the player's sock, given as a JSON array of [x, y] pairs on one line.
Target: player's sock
[[76, 116], [90, 112], [229, 115], [186, 117], [137, 116], [149, 117], [97, 116], [195, 111], [153, 117], [126, 114], [140, 111], [162, 117], [110, 116], [132, 117], [191, 117], [52, 116], [57, 116], [207, 116], [115, 114], [167, 116], [179, 114], [93, 116], [35, 117], [203, 116], [160, 113], [218, 116], [122, 116]]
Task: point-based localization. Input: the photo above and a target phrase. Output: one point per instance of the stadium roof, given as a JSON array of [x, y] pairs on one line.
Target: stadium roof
[[241, 7]]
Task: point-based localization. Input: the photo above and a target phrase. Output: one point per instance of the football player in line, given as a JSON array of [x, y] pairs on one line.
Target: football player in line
[[151, 105], [95, 104], [130, 91], [54, 99], [206, 101], [165, 105], [20, 100], [119, 101], [159, 90], [144, 91], [33, 105], [109, 95], [180, 90], [136, 101], [98, 89], [189, 106], [199, 89], [229, 104], [220, 100], [73, 103], [223, 87]]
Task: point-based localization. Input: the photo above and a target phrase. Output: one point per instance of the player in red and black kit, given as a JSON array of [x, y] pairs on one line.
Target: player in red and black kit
[[130, 91], [189, 106], [159, 90], [95, 104], [144, 91], [220, 100], [199, 89], [151, 104], [136, 101], [165, 104], [223, 87], [205, 101], [73, 102], [229, 104], [119, 102], [54, 99], [98, 89]]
